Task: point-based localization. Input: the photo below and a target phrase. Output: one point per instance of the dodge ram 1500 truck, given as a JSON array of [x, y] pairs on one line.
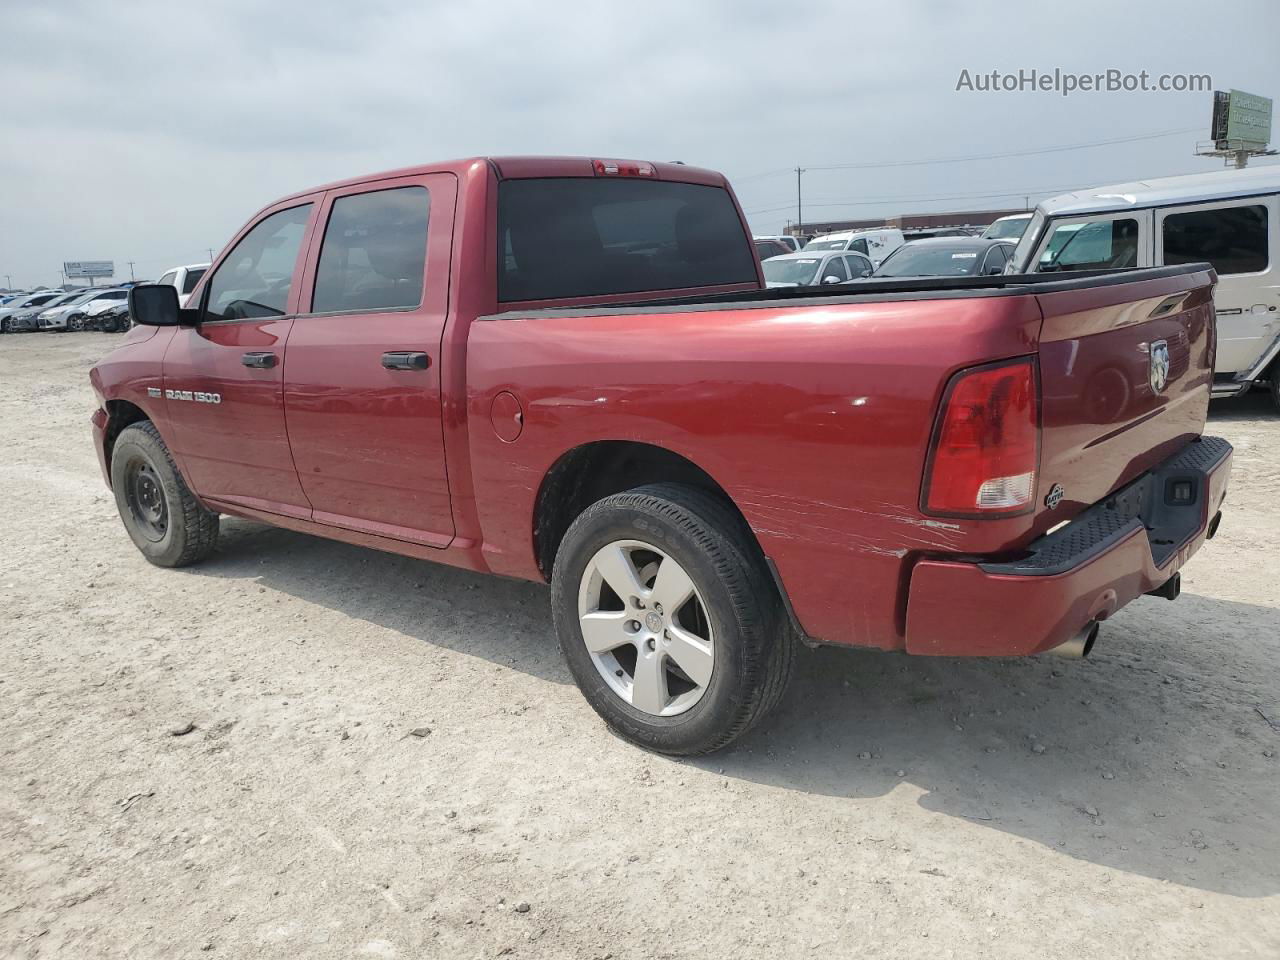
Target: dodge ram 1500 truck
[[569, 370]]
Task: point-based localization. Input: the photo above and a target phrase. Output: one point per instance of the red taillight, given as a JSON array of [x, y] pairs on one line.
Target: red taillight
[[624, 168], [985, 447]]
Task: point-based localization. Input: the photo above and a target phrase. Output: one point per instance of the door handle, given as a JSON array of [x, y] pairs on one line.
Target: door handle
[[263, 361], [405, 360]]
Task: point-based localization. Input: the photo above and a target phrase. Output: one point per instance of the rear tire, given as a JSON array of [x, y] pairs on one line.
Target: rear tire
[[730, 629], [160, 513]]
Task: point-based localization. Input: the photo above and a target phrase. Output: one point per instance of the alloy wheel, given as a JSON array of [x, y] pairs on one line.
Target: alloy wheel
[[646, 627]]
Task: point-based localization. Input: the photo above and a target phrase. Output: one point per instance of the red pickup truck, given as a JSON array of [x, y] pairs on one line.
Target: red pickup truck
[[569, 370]]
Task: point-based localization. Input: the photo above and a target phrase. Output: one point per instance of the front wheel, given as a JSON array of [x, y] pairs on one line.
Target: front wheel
[[668, 620], [161, 514]]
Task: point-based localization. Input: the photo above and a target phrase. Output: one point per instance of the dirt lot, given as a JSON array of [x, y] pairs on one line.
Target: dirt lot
[[1123, 806]]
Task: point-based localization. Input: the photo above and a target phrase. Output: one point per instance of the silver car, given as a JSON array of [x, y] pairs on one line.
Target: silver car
[[31, 303], [806, 269], [55, 315]]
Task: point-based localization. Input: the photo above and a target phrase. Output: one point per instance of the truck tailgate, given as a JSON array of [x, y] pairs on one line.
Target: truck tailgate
[[1125, 374]]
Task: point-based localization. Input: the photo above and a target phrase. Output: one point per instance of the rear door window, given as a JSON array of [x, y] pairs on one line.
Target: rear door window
[[582, 237], [1233, 239], [374, 252], [255, 278]]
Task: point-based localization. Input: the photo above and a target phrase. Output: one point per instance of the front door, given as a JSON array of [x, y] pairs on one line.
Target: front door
[[223, 377], [362, 381]]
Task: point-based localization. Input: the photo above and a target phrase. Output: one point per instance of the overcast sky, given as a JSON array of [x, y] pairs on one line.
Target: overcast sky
[[150, 131]]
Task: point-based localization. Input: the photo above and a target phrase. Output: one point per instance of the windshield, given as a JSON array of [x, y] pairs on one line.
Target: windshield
[[800, 270], [915, 260], [1010, 229], [825, 244]]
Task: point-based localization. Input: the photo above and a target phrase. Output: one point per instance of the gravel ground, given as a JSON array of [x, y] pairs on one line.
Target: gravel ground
[[306, 749]]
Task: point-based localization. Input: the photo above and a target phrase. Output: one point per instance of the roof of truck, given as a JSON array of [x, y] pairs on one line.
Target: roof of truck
[[1161, 191], [519, 168]]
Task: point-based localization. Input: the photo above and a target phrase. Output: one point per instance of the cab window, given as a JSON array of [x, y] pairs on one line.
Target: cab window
[[859, 245], [374, 252], [1100, 245], [255, 278], [1233, 239]]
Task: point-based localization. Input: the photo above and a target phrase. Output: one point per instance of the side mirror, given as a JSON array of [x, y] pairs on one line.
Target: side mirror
[[995, 271], [831, 279], [156, 305]]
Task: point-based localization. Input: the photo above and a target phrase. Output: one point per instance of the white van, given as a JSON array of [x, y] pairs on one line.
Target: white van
[[1229, 218], [873, 244]]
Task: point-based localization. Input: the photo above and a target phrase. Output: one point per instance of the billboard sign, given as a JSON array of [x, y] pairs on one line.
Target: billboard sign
[[88, 268], [1240, 120]]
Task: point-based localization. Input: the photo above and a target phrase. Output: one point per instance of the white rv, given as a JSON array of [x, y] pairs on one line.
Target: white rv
[[1229, 218]]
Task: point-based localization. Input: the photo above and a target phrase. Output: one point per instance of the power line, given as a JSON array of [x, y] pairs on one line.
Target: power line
[[1061, 148]]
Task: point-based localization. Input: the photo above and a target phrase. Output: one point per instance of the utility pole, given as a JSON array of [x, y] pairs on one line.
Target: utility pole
[[799, 205], [210, 254], [131, 276], [8, 282]]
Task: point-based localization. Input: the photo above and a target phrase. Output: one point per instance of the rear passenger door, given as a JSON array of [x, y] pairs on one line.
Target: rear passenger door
[[362, 377], [1235, 236]]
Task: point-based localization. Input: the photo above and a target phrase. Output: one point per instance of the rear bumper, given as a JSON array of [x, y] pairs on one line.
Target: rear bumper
[[1085, 571]]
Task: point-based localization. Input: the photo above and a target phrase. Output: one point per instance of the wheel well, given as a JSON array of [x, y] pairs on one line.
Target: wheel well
[[120, 414], [598, 470]]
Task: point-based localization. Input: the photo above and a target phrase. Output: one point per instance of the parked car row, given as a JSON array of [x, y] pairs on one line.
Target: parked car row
[[935, 257], [98, 308], [95, 308]]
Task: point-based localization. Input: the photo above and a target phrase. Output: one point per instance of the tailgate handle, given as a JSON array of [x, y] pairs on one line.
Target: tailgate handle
[[262, 361], [1168, 305], [405, 360]]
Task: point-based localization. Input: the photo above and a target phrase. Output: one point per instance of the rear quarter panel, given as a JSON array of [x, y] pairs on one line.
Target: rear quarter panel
[[815, 420]]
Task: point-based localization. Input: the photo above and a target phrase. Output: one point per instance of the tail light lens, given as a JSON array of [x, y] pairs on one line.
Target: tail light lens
[[985, 449]]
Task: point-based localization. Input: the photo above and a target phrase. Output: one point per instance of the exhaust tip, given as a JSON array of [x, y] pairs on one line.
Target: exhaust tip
[[1170, 589], [1079, 646], [1213, 526]]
